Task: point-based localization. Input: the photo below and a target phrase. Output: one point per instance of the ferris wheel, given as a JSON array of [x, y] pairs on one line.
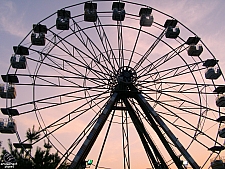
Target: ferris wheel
[[120, 83]]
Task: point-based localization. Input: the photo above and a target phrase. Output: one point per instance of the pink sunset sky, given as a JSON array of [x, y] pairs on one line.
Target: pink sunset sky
[[204, 18]]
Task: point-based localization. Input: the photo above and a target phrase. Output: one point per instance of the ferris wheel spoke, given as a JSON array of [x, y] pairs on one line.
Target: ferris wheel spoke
[[63, 67], [181, 85], [82, 56], [135, 44], [162, 60], [194, 138], [106, 44], [175, 72], [60, 102], [120, 43], [59, 123], [63, 81], [70, 80], [198, 132], [62, 99], [169, 114], [90, 46], [193, 103], [178, 87], [149, 51], [58, 86], [183, 101], [68, 52], [184, 110], [70, 63]]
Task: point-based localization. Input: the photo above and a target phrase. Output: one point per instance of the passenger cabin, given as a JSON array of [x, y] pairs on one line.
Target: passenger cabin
[[23, 145], [10, 78], [63, 19], [172, 33], [212, 72], [18, 60], [194, 49], [9, 92], [220, 100], [118, 11], [90, 12], [221, 119], [7, 126], [38, 35], [146, 17], [172, 30], [222, 131], [2, 89], [9, 112], [217, 163]]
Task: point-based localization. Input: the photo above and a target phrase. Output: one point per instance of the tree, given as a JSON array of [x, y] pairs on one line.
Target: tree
[[32, 134], [42, 158]]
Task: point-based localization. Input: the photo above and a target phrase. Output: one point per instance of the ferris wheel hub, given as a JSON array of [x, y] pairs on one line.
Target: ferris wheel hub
[[126, 75]]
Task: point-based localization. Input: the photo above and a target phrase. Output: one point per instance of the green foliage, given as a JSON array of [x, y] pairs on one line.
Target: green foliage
[[42, 158], [32, 134]]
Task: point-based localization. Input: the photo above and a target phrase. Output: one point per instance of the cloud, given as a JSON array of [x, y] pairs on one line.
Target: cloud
[[12, 19]]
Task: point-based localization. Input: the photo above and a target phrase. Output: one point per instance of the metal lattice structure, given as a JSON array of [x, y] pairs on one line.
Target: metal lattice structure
[[98, 72]]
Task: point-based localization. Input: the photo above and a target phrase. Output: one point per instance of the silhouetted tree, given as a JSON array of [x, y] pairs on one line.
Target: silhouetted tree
[[42, 158]]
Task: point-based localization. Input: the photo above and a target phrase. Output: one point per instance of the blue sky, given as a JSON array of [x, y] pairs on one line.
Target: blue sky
[[205, 18]]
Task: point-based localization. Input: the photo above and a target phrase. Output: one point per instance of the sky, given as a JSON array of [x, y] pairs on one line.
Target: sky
[[204, 18]]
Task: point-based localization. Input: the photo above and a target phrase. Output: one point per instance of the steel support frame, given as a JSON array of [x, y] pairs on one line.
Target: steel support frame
[[91, 138], [125, 135], [153, 118], [155, 159]]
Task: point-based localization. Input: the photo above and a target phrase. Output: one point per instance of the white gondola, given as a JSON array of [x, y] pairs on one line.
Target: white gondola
[[18, 61], [90, 12], [8, 126], [220, 100], [38, 39], [9, 93], [195, 50], [2, 89], [172, 32], [118, 11], [63, 20], [217, 163], [2, 124], [213, 73], [38, 35], [146, 18], [222, 131]]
